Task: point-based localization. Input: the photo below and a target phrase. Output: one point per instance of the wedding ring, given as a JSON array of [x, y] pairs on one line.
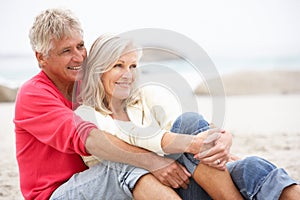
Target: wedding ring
[[218, 161]]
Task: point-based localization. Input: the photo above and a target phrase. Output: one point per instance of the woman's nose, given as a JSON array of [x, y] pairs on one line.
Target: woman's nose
[[128, 72]]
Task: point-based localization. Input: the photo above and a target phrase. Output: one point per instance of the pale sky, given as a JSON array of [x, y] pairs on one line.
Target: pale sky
[[222, 28]]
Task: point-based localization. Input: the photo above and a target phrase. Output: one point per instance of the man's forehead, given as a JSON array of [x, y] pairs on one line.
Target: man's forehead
[[67, 41]]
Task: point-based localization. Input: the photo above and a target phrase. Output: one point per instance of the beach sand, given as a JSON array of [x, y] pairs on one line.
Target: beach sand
[[9, 175], [262, 125]]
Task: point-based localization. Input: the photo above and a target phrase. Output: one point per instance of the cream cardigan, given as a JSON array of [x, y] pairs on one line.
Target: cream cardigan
[[150, 118]]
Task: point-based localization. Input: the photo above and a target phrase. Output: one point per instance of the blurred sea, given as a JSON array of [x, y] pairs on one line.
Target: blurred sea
[[15, 69]]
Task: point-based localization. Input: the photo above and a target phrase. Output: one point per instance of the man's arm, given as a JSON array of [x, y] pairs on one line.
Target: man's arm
[[106, 146]]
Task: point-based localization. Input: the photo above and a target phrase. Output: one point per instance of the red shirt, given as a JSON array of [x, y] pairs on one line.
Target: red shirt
[[49, 138]]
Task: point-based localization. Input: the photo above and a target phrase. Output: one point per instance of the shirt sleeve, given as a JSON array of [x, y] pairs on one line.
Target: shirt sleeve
[[44, 113]]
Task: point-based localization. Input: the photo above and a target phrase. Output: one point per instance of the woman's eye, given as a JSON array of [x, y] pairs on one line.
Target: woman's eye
[[118, 65]]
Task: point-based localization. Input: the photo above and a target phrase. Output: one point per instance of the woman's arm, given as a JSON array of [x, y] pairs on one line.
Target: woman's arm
[[208, 146], [106, 146], [194, 144]]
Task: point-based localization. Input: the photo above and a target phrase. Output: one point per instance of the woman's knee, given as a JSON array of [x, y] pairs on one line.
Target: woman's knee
[[251, 169], [258, 162], [190, 123]]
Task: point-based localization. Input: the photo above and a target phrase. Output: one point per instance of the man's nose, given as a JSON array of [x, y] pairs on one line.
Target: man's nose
[[79, 55]]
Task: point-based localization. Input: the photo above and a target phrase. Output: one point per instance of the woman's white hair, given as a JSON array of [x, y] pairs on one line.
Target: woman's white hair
[[52, 24], [104, 54]]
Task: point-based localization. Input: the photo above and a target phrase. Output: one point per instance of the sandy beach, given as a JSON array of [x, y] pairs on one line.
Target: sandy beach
[[262, 125], [9, 175]]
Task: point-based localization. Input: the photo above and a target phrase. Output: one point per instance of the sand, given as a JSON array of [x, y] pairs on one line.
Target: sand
[[262, 125], [9, 179]]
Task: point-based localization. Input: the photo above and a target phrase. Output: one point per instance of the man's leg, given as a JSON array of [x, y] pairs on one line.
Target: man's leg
[[110, 180], [218, 184]]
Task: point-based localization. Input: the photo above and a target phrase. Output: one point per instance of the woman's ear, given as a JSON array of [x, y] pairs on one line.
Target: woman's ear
[[40, 58]]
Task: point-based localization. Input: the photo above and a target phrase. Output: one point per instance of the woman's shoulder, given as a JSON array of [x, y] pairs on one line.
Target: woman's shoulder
[[84, 110], [89, 113], [157, 95]]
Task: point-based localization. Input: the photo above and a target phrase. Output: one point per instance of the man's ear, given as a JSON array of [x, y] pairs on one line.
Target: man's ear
[[41, 59]]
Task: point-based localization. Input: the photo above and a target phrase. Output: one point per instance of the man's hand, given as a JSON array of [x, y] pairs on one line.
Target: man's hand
[[166, 170], [172, 174]]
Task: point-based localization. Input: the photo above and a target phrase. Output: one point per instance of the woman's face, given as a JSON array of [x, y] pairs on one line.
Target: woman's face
[[118, 81]]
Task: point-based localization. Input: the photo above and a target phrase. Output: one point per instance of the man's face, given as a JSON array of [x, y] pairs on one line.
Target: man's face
[[65, 59]]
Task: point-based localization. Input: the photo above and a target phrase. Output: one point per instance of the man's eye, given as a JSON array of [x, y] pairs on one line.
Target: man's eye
[[133, 66], [81, 46], [66, 50]]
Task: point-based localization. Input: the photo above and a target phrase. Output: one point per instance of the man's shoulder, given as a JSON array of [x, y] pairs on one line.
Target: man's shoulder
[[40, 88], [37, 84]]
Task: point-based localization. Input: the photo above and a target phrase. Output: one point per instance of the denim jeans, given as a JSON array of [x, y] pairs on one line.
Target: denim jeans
[[106, 180], [255, 178]]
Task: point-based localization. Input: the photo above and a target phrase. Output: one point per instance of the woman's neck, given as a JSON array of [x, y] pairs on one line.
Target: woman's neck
[[118, 111]]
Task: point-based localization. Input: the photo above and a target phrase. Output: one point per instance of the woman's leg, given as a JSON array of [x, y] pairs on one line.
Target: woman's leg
[[291, 193], [257, 178], [148, 187], [254, 177], [218, 184]]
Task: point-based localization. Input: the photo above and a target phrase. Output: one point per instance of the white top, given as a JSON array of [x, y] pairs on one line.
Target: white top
[[150, 118]]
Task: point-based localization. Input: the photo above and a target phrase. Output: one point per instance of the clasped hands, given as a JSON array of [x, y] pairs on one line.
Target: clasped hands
[[212, 147]]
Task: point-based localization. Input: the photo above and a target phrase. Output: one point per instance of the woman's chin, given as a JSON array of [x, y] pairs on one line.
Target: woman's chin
[[121, 96]]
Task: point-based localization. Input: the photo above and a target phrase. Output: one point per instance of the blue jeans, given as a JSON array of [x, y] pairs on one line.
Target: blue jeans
[[106, 180], [255, 178]]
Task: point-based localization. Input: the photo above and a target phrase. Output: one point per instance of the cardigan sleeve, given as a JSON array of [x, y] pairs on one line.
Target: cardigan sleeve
[[163, 105]]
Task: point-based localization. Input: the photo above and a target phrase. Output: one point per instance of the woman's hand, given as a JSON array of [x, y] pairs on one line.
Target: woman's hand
[[218, 155], [204, 141]]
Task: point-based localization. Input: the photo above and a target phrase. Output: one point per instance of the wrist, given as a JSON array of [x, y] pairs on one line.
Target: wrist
[[195, 145], [155, 162], [177, 143]]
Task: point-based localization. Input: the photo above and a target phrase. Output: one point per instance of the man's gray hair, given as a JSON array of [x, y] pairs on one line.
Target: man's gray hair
[[52, 24]]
